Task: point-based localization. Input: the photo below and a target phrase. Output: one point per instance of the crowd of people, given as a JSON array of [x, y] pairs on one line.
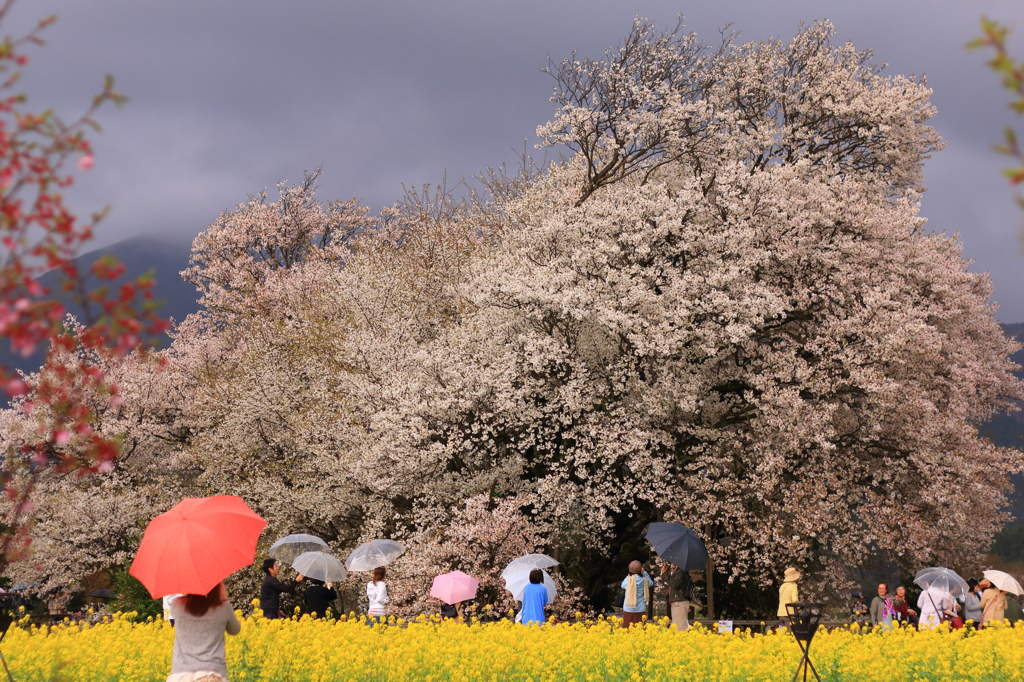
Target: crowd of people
[[981, 604], [201, 621]]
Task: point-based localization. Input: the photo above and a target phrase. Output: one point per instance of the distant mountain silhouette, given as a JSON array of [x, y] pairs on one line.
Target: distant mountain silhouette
[[139, 255], [1007, 430]]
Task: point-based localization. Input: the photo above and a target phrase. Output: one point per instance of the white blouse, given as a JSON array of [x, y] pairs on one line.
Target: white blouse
[[378, 595], [934, 602]]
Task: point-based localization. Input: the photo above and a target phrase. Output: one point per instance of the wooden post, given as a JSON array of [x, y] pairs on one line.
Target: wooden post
[[710, 579]]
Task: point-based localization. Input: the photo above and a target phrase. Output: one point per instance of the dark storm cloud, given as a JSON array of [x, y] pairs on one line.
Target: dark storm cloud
[[230, 97]]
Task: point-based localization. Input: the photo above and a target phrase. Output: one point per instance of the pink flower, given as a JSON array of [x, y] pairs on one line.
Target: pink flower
[[86, 162], [62, 437]]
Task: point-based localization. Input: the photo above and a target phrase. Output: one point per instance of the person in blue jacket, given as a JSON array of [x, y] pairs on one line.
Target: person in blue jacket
[[535, 598], [638, 594]]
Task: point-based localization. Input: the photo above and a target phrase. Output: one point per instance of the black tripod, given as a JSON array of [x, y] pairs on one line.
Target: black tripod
[[805, 662], [803, 623], [6, 669]]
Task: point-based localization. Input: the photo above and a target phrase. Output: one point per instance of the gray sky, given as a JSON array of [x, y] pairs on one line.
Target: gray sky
[[227, 98]]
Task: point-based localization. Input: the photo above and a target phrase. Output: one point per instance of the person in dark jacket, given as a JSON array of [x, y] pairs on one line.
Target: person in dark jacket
[[271, 589], [319, 598], [679, 590], [452, 611], [1013, 612]]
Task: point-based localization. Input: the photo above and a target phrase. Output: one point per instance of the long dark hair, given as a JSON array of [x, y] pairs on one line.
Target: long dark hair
[[198, 604], [379, 574]]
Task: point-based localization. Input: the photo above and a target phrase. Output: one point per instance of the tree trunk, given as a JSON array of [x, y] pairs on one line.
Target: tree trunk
[[710, 580]]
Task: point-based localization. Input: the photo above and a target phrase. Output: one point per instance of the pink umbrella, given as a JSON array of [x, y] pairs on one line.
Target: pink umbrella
[[454, 587]]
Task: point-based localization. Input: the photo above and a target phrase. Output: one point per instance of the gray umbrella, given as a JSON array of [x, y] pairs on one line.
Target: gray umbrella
[[291, 546], [679, 545], [372, 554], [320, 566], [103, 594]]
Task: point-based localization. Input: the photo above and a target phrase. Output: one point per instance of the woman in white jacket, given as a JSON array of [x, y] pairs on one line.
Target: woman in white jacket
[[933, 602], [377, 592]]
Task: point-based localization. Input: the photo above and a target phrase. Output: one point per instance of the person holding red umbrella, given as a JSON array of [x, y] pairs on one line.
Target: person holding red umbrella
[[200, 623], [190, 550]]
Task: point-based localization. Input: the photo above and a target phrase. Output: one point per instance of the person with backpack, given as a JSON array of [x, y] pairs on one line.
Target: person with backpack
[[680, 593], [935, 603]]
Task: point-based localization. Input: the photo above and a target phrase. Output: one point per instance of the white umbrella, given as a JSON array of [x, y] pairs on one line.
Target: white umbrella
[[516, 583], [945, 579], [372, 554], [528, 563], [320, 566], [291, 546], [1004, 581]]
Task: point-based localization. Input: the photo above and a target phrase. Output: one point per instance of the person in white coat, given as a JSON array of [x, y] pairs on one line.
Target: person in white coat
[[932, 603], [377, 593]]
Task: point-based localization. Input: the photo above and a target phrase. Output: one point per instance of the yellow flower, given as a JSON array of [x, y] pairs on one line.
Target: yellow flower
[[311, 650]]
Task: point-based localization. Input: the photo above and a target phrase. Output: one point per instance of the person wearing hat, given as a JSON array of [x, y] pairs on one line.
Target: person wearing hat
[[638, 594], [858, 608], [788, 593], [993, 602]]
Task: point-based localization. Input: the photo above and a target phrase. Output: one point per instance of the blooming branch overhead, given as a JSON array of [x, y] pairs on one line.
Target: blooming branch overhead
[[39, 233]]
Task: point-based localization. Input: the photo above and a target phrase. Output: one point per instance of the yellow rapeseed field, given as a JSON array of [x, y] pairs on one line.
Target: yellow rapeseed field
[[589, 651]]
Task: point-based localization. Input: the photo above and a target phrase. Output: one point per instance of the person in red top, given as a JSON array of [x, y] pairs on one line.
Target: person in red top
[[904, 613]]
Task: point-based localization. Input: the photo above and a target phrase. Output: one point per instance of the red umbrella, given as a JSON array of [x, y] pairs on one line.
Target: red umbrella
[[195, 545]]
